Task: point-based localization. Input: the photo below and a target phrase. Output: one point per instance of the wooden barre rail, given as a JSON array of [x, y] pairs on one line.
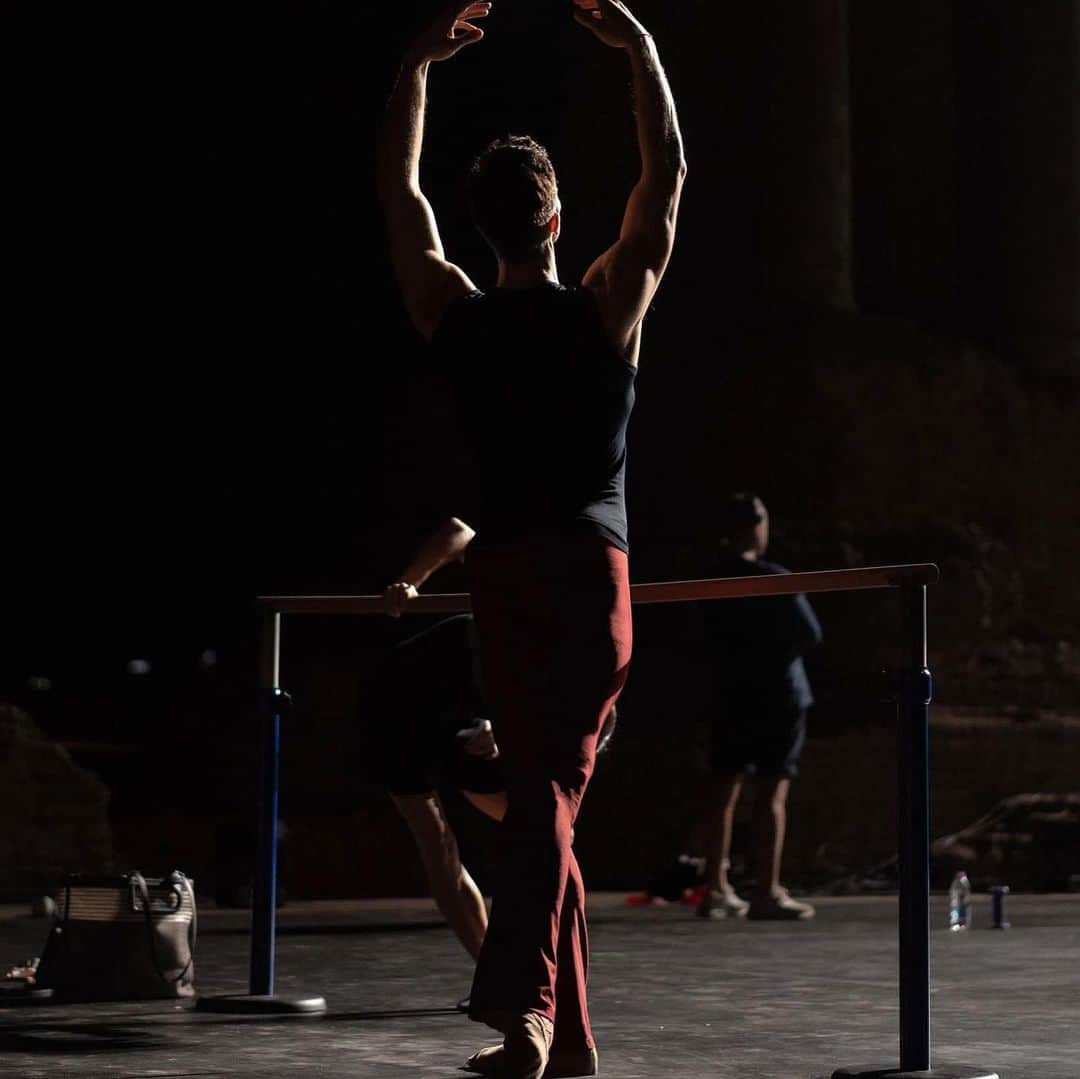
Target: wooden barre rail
[[785, 584]]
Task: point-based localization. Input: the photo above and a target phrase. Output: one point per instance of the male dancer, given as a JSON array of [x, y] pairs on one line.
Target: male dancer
[[544, 379]]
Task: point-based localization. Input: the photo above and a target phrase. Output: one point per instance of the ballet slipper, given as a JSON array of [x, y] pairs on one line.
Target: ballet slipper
[[562, 1063], [524, 1052], [485, 1061]]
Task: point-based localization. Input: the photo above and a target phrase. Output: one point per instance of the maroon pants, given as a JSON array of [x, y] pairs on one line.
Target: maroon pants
[[555, 639]]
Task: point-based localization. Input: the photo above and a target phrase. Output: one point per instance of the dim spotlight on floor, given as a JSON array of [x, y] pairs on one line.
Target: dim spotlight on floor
[[138, 666], [208, 659]]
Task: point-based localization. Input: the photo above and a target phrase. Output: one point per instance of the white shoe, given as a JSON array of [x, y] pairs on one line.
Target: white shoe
[[779, 907], [722, 903]]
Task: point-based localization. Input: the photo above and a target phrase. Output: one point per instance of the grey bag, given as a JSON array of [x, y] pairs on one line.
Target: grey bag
[[121, 938]]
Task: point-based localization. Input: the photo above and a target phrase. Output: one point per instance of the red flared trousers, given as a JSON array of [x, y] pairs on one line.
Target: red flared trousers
[[555, 634]]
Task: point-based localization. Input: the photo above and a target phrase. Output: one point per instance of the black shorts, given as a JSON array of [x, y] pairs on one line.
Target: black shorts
[[427, 690], [406, 772], [762, 744]]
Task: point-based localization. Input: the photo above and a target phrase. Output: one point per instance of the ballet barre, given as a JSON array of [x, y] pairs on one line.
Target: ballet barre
[[912, 689]]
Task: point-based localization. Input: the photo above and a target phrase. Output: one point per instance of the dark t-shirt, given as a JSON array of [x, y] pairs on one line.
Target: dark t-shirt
[[544, 398], [755, 645], [429, 690]]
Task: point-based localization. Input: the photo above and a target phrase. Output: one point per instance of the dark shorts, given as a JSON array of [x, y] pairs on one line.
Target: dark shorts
[[407, 769], [765, 745], [410, 774]]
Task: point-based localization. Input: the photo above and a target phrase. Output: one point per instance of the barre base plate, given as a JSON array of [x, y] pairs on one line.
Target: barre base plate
[[898, 1073], [246, 1004]]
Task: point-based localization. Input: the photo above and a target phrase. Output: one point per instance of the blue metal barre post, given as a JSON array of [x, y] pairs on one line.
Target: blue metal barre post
[[264, 889], [272, 701]]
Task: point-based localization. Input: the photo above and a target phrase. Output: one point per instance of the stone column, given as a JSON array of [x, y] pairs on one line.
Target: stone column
[[904, 159], [805, 223], [1019, 198]]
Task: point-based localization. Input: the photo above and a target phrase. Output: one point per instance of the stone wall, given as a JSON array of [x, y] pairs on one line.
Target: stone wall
[[53, 813]]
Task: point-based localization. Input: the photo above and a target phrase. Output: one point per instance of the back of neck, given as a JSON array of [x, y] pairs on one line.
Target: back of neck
[[521, 275]]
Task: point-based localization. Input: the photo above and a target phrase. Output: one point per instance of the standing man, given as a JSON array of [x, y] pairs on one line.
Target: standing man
[[544, 377], [760, 694]]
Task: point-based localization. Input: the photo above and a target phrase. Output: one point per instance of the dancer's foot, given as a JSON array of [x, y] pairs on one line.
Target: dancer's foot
[[525, 1049], [562, 1063], [722, 903], [778, 906]]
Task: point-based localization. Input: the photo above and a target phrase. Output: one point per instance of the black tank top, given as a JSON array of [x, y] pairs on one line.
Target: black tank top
[[545, 399]]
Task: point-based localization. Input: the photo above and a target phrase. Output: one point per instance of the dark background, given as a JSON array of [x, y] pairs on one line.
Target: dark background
[[870, 319]]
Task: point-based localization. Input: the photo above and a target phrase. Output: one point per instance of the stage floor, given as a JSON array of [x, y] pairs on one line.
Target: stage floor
[[672, 996]]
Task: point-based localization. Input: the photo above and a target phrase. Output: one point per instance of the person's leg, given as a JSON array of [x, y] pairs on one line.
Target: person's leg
[[776, 754], [555, 654], [518, 965], [573, 1051], [771, 900], [769, 826], [724, 797], [573, 1030], [453, 890], [720, 899]]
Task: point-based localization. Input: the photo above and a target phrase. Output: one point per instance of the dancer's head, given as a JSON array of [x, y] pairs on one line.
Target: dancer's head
[[514, 199], [746, 524]]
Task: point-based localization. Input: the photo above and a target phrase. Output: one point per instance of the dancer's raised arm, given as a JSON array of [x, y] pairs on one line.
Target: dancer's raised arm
[[625, 277], [429, 283]]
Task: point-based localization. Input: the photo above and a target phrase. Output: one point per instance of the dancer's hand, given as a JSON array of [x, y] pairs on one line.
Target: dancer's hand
[[450, 32], [396, 598], [610, 21]]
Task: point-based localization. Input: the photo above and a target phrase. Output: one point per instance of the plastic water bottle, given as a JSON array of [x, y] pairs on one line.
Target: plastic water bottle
[[960, 902], [999, 892]]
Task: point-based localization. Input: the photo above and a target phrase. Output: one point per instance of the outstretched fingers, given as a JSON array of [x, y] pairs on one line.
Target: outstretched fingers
[[464, 15], [454, 28], [462, 30]]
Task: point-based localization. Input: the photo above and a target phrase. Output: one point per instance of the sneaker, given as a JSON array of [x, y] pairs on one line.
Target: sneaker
[[779, 907], [720, 903]]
